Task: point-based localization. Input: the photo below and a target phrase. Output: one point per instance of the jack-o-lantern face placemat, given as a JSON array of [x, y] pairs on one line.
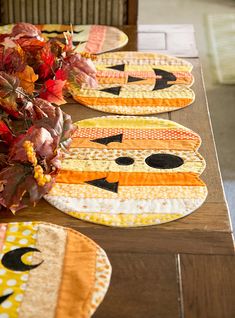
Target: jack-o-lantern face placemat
[[130, 171], [91, 38], [50, 271], [137, 83]]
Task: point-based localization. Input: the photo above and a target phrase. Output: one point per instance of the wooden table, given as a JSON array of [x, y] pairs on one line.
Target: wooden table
[[184, 268]]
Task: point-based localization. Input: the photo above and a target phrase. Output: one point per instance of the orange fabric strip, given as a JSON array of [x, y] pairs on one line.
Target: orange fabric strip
[[138, 144], [119, 101], [174, 134], [132, 178], [3, 229], [78, 277], [106, 76]]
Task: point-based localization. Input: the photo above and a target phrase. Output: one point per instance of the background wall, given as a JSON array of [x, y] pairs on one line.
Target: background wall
[[221, 98]]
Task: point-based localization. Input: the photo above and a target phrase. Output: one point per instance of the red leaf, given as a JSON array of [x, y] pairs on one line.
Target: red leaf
[[53, 91], [5, 133], [61, 75], [47, 59], [3, 36]]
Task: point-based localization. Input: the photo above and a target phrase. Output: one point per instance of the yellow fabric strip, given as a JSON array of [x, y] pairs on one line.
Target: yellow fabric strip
[[17, 235], [129, 122], [174, 92], [126, 192], [136, 110], [126, 220]]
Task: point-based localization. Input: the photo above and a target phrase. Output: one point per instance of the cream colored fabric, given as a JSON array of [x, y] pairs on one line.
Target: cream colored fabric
[[41, 295]]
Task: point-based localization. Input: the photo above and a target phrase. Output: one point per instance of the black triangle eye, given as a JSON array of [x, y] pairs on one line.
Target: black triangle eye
[[107, 140], [119, 67], [112, 90], [131, 79], [13, 259], [164, 161]]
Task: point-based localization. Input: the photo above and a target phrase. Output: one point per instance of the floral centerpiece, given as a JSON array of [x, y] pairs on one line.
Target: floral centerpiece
[[34, 74]]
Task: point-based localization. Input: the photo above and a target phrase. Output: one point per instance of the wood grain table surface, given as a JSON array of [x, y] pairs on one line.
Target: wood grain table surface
[[184, 268]]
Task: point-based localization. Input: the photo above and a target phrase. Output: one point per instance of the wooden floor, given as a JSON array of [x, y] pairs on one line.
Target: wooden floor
[[182, 269]]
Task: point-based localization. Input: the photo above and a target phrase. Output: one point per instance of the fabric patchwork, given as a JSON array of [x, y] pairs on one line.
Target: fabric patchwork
[[128, 171], [91, 38], [138, 83], [51, 271]]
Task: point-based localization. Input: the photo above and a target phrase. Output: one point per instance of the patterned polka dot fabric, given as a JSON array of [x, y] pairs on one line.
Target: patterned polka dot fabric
[[130, 171], [91, 38], [137, 83], [50, 271]]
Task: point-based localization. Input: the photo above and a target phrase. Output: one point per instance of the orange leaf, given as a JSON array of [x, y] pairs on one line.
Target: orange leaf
[[27, 79]]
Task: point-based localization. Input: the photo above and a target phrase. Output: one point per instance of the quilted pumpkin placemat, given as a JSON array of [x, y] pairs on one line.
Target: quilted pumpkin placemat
[[130, 171], [50, 271], [92, 38], [135, 83]]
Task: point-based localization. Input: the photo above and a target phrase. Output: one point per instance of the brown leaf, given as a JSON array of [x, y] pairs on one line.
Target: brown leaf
[[8, 84]]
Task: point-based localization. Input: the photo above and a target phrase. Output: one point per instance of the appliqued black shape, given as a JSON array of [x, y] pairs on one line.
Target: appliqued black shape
[[104, 184], [4, 297], [60, 32], [134, 79], [124, 161], [107, 140], [119, 67], [12, 259], [163, 82], [164, 161], [112, 90]]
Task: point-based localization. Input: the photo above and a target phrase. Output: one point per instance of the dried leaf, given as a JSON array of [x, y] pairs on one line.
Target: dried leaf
[[12, 181], [8, 94], [25, 29], [8, 84], [27, 79], [12, 58], [30, 44]]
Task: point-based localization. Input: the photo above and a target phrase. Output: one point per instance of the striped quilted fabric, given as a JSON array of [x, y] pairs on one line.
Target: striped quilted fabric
[[91, 38], [138, 83], [130, 171], [50, 271]]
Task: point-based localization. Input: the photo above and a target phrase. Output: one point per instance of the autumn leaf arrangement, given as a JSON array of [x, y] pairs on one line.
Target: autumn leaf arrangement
[[36, 75]]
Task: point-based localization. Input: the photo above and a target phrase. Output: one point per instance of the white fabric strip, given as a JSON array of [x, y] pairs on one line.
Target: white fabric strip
[[131, 206]]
